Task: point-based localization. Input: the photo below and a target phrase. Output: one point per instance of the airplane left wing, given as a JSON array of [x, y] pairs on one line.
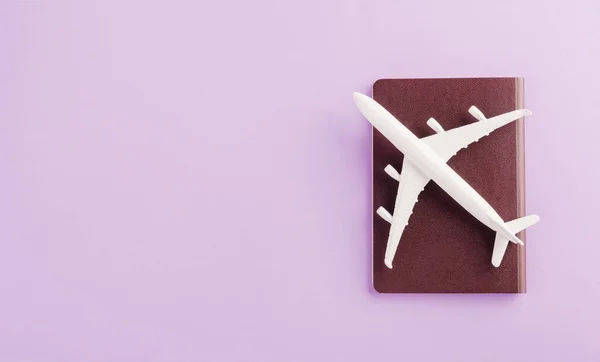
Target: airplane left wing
[[447, 143], [412, 182]]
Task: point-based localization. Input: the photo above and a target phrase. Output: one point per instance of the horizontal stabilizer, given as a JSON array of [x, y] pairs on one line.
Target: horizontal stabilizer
[[514, 226], [501, 228], [523, 223], [500, 245]]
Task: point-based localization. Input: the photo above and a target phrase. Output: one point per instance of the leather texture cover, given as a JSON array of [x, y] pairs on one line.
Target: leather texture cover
[[444, 249]]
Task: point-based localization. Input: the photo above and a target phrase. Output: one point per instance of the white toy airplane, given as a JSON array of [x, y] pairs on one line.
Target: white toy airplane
[[425, 159]]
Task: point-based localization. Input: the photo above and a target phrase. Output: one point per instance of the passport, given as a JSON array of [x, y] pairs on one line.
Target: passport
[[444, 249]]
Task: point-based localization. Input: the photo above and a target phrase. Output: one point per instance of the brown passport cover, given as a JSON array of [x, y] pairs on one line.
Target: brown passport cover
[[444, 249]]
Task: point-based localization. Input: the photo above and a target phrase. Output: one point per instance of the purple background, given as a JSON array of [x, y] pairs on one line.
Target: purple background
[[190, 181]]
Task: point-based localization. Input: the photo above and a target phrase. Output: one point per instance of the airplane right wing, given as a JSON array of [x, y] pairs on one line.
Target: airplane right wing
[[412, 182], [447, 143]]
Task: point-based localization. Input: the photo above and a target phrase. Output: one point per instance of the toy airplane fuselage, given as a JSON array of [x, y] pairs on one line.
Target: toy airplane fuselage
[[425, 159], [435, 168]]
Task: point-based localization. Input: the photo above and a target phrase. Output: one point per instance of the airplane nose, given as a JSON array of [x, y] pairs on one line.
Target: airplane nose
[[363, 103], [358, 97]]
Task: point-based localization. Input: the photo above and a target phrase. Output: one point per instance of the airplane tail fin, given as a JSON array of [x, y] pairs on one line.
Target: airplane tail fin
[[506, 233]]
